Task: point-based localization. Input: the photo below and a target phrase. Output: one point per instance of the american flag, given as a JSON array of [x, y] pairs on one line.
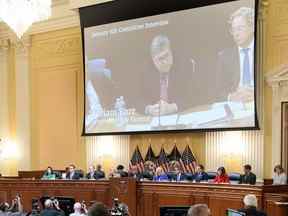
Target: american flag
[[163, 160], [137, 160], [188, 161], [150, 156]]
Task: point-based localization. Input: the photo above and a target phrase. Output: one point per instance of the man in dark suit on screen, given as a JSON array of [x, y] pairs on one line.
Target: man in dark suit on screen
[[236, 64]]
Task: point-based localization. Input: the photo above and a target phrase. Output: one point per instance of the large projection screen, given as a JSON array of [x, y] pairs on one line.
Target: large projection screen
[[155, 65]]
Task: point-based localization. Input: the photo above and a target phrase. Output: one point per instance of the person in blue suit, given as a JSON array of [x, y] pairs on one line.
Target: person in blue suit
[[200, 174], [160, 175]]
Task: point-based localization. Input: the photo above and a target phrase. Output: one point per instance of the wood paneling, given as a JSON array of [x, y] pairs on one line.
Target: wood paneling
[[146, 198]]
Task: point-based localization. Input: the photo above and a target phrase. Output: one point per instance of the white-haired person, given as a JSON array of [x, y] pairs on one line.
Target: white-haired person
[[79, 209], [250, 206], [199, 210], [51, 208], [279, 176]]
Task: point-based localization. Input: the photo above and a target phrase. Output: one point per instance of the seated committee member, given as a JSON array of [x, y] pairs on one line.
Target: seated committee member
[[72, 173], [49, 174], [91, 174], [160, 175], [248, 177], [180, 176], [149, 169], [279, 176], [121, 171], [95, 173], [236, 64], [250, 203], [200, 174], [99, 172], [221, 176]]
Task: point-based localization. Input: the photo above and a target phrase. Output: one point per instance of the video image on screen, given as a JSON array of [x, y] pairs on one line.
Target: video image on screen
[[185, 70]]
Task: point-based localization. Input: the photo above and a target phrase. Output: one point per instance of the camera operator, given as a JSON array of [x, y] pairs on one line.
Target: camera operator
[[119, 209], [16, 207], [80, 209], [52, 208]]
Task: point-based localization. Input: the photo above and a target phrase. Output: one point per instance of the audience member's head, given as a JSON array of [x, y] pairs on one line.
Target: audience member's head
[[98, 209], [278, 169], [221, 171], [161, 53], [242, 26], [77, 207], [250, 200], [247, 168], [4, 207], [48, 203], [199, 210]]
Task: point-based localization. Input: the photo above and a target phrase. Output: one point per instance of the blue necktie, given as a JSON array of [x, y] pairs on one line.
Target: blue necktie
[[246, 68]]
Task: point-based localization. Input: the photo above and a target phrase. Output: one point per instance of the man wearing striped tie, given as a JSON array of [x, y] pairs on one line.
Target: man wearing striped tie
[[237, 63]]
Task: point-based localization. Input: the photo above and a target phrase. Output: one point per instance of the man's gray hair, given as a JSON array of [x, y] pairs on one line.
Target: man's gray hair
[[159, 43], [198, 210], [48, 203], [246, 12], [250, 200]]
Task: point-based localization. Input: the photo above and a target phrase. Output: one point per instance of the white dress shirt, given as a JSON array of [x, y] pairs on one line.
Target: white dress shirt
[[279, 179]]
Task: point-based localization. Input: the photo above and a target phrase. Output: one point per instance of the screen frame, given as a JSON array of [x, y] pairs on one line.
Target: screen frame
[[122, 10], [235, 211]]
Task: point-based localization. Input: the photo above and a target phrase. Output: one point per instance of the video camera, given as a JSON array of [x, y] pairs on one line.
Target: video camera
[[119, 209]]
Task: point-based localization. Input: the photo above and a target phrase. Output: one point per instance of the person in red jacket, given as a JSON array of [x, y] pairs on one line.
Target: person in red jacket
[[221, 176]]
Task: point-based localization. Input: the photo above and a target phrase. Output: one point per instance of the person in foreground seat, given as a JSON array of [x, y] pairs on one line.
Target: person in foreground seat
[[79, 209], [248, 177], [199, 210], [52, 209], [221, 176], [250, 202], [98, 209]]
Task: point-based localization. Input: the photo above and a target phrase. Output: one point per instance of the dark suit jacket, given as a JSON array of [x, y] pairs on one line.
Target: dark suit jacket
[[252, 211], [76, 176], [248, 179], [228, 73], [201, 177], [95, 175], [51, 212]]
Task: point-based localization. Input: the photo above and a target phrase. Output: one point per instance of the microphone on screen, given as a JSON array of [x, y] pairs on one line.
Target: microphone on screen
[[193, 62]]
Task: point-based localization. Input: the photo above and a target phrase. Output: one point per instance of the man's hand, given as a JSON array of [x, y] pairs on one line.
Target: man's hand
[[161, 108], [242, 94]]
